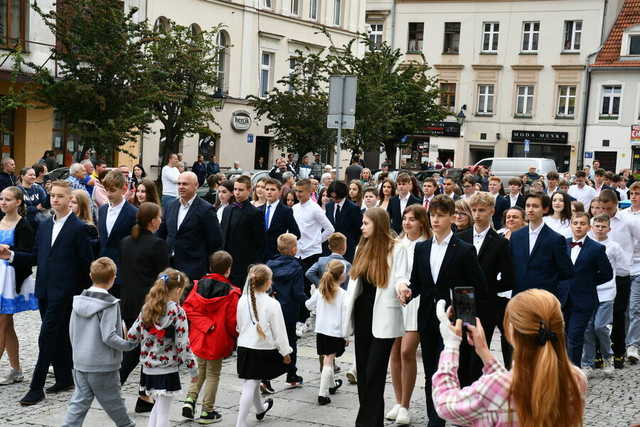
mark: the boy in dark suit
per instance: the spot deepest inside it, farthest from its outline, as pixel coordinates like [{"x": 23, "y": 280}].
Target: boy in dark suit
[
  {"x": 243, "y": 231},
  {"x": 439, "y": 265},
  {"x": 515, "y": 197},
  {"x": 63, "y": 255},
  {"x": 345, "y": 217},
  {"x": 539, "y": 254},
  {"x": 278, "y": 218},
  {"x": 579, "y": 295},
  {"x": 501, "y": 204},
  {"x": 115, "y": 220},
  {"x": 398, "y": 203}
]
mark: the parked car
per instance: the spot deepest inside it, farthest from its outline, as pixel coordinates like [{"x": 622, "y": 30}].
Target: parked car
[
  {"x": 56, "y": 174},
  {"x": 508, "y": 167}
]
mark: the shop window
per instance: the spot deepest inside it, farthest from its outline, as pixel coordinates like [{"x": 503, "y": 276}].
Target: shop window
[
  {"x": 13, "y": 18},
  {"x": 67, "y": 147},
  {"x": 416, "y": 37},
  {"x": 451, "y": 37}
]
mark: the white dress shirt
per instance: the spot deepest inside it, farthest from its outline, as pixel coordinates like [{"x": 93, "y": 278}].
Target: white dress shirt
[
  {"x": 585, "y": 194},
  {"x": 170, "y": 181},
  {"x": 513, "y": 200},
  {"x": 438, "y": 251},
  {"x": 184, "y": 209},
  {"x": 426, "y": 201},
  {"x": 270, "y": 208},
  {"x": 617, "y": 258},
  {"x": 575, "y": 250},
  {"x": 550, "y": 192},
  {"x": 329, "y": 315},
  {"x": 112, "y": 215},
  {"x": 478, "y": 237},
  {"x": 314, "y": 226},
  {"x": 562, "y": 227},
  {"x": 57, "y": 227},
  {"x": 403, "y": 202},
  {"x": 220, "y": 211},
  {"x": 533, "y": 236},
  {"x": 635, "y": 263},
  {"x": 625, "y": 231}
]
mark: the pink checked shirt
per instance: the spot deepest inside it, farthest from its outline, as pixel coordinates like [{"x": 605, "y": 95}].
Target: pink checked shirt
[{"x": 485, "y": 402}]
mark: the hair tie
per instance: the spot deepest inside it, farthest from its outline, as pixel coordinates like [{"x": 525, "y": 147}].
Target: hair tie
[
  {"x": 545, "y": 335},
  {"x": 164, "y": 278}
]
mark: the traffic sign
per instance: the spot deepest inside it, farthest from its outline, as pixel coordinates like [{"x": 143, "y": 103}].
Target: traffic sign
[{"x": 526, "y": 145}]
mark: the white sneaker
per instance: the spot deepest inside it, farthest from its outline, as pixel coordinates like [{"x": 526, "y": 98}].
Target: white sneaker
[
  {"x": 632, "y": 354},
  {"x": 12, "y": 377},
  {"x": 607, "y": 366},
  {"x": 299, "y": 329},
  {"x": 393, "y": 413},
  {"x": 403, "y": 418}
]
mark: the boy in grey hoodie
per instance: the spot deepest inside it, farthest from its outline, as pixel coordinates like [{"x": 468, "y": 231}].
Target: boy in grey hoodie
[{"x": 96, "y": 331}]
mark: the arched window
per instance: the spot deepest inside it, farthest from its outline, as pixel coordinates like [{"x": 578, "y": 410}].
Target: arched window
[
  {"x": 195, "y": 29},
  {"x": 223, "y": 60},
  {"x": 161, "y": 25}
]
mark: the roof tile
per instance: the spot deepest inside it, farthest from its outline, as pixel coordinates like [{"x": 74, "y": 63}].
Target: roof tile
[{"x": 609, "y": 55}]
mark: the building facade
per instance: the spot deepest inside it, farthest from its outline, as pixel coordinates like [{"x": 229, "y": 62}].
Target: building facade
[
  {"x": 512, "y": 72},
  {"x": 613, "y": 118},
  {"x": 259, "y": 37}
]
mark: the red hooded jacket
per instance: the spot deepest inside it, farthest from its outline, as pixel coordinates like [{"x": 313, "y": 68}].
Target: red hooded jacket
[{"x": 211, "y": 312}]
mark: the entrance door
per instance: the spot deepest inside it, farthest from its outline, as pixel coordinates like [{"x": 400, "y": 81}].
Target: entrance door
[
  {"x": 607, "y": 159},
  {"x": 445, "y": 155},
  {"x": 635, "y": 158},
  {"x": 477, "y": 154},
  {"x": 263, "y": 146}
]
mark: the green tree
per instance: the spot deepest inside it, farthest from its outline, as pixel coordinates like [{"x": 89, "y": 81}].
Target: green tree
[
  {"x": 297, "y": 106},
  {"x": 183, "y": 66}
]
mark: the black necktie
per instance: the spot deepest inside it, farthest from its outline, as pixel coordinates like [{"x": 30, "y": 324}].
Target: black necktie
[{"x": 337, "y": 215}]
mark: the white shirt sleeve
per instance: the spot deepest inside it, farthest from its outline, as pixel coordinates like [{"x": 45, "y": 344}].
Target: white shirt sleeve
[
  {"x": 278, "y": 329},
  {"x": 327, "y": 227},
  {"x": 312, "y": 302}
]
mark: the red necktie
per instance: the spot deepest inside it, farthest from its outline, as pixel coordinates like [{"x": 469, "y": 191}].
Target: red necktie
[
  {"x": 574, "y": 244},
  {"x": 426, "y": 204}
]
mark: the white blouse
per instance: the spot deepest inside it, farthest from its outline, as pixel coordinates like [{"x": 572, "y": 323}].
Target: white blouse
[
  {"x": 329, "y": 315},
  {"x": 271, "y": 321},
  {"x": 562, "y": 227}
]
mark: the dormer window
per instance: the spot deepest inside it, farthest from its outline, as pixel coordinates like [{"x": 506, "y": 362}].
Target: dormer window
[
  {"x": 634, "y": 44},
  {"x": 630, "y": 46}
]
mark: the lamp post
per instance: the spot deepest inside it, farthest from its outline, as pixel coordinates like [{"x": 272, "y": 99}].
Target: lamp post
[
  {"x": 221, "y": 98},
  {"x": 460, "y": 117}
]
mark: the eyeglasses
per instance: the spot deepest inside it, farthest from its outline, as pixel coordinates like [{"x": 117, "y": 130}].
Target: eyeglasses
[{"x": 458, "y": 213}]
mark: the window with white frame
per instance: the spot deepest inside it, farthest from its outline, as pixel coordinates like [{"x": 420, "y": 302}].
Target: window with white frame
[
  {"x": 416, "y": 36},
  {"x": 222, "y": 41},
  {"x": 375, "y": 36},
  {"x": 267, "y": 3},
  {"x": 611, "y": 95},
  {"x": 295, "y": 7},
  {"x": 634, "y": 45},
  {"x": 572, "y": 35},
  {"x": 451, "y": 37},
  {"x": 486, "y": 93},
  {"x": 490, "y": 32},
  {"x": 337, "y": 12},
  {"x": 313, "y": 9},
  {"x": 448, "y": 96},
  {"x": 530, "y": 36},
  {"x": 524, "y": 100},
  {"x": 566, "y": 101},
  {"x": 266, "y": 72}
]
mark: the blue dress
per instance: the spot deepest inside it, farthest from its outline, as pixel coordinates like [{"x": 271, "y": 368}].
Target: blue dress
[{"x": 10, "y": 302}]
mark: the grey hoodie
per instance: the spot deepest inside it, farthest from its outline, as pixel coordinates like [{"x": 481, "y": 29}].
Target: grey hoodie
[{"x": 96, "y": 332}]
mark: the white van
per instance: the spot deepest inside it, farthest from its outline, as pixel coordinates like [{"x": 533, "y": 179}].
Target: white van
[{"x": 509, "y": 167}]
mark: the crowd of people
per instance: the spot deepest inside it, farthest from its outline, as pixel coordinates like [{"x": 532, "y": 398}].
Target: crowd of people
[{"x": 128, "y": 274}]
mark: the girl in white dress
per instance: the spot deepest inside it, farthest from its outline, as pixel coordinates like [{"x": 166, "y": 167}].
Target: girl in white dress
[
  {"x": 415, "y": 228},
  {"x": 560, "y": 218}
]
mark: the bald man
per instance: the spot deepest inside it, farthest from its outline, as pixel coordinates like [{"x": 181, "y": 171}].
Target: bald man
[{"x": 191, "y": 228}]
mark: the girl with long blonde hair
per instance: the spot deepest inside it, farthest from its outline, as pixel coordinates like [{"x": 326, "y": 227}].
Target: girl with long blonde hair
[
  {"x": 544, "y": 389},
  {"x": 329, "y": 304},
  {"x": 263, "y": 347},
  {"x": 373, "y": 313},
  {"x": 163, "y": 332}
]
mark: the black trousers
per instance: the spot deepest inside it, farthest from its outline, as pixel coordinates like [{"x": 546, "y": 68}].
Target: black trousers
[
  {"x": 54, "y": 344},
  {"x": 372, "y": 360},
  {"x": 431, "y": 344},
  {"x": 620, "y": 305},
  {"x": 507, "y": 350},
  {"x": 306, "y": 265},
  {"x": 292, "y": 369}
]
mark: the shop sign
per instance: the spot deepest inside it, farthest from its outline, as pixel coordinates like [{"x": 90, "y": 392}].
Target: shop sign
[
  {"x": 449, "y": 129},
  {"x": 241, "y": 120},
  {"x": 588, "y": 154},
  {"x": 635, "y": 134},
  {"x": 549, "y": 137}
]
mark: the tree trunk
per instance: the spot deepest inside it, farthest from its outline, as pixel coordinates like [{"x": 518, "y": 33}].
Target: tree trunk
[{"x": 390, "y": 148}]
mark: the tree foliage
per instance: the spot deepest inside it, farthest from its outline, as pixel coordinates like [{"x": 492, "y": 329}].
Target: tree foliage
[
  {"x": 183, "y": 66},
  {"x": 297, "y": 106}
]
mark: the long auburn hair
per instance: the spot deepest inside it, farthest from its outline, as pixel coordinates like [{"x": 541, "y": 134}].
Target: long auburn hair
[
  {"x": 422, "y": 216},
  {"x": 371, "y": 261},
  {"x": 544, "y": 389},
  {"x": 155, "y": 303},
  {"x": 330, "y": 281},
  {"x": 258, "y": 276},
  {"x": 151, "y": 192}
]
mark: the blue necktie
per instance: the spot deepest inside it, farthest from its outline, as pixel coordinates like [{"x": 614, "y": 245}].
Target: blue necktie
[{"x": 266, "y": 217}]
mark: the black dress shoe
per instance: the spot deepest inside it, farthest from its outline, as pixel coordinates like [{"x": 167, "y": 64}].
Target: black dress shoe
[
  {"x": 332, "y": 390},
  {"x": 58, "y": 388},
  {"x": 261, "y": 415},
  {"x": 142, "y": 406},
  {"x": 322, "y": 400},
  {"x": 32, "y": 397}
]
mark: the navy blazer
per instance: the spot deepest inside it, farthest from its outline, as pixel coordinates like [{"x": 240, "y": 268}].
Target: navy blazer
[
  {"x": 592, "y": 268},
  {"x": 110, "y": 243},
  {"x": 546, "y": 266},
  {"x": 502, "y": 205},
  {"x": 459, "y": 267},
  {"x": 394, "y": 211},
  {"x": 191, "y": 245},
  {"x": 63, "y": 268},
  {"x": 519, "y": 202},
  {"x": 349, "y": 223},
  {"x": 282, "y": 221}
]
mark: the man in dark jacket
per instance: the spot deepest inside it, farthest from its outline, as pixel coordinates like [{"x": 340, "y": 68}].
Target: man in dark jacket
[
  {"x": 7, "y": 178},
  {"x": 280, "y": 168},
  {"x": 213, "y": 167},
  {"x": 200, "y": 169}
]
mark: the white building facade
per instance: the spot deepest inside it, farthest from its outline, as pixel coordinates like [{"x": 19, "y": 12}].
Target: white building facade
[
  {"x": 613, "y": 119},
  {"x": 510, "y": 71},
  {"x": 259, "y": 37}
]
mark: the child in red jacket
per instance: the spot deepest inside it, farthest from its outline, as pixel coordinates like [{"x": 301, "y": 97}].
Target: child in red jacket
[{"x": 211, "y": 311}]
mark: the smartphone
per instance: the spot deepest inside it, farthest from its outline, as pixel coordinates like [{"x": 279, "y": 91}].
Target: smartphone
[{"x": 464, "y": 304}]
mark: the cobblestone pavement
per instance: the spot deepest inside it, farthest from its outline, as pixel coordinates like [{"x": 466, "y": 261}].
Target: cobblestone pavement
[{"x": 611, "y": 402}]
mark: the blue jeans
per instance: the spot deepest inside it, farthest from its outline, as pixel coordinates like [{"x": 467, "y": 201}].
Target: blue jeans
[
  {"x": 166, "y": 200},
  {"x": 598, "y": 334},
  {"x": 633, "y": 334}
]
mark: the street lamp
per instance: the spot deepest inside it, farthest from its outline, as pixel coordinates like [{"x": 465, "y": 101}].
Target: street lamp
[
  {"x": 460, "y": 117},
  {"x": 221, "y": 98}
]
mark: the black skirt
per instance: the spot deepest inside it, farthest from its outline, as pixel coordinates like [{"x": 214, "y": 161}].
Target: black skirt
[
  {"x": 168, "y": 384},
  {"x": 256, "y": 364},
  {"x": 327, "y": 345}
]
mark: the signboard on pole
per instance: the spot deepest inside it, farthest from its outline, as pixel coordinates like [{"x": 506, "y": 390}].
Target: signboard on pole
[
  {"x": 526, "y": 145},
  {"x": 635, "y": 134},
  {"x": 342, "y": 108}
]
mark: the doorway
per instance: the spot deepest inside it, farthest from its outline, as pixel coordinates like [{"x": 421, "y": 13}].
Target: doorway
[
  {"x": 607, "y": 159},
  {"x": 445, "y": 155},
  {"x": 263, "y": 146},
  {"x": 478, "y": 153}
]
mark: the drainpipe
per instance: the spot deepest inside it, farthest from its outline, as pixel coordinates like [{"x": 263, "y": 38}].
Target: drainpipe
[
  {"x": 393, "y": 24},
  {"x": 585, "y": 115}
]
